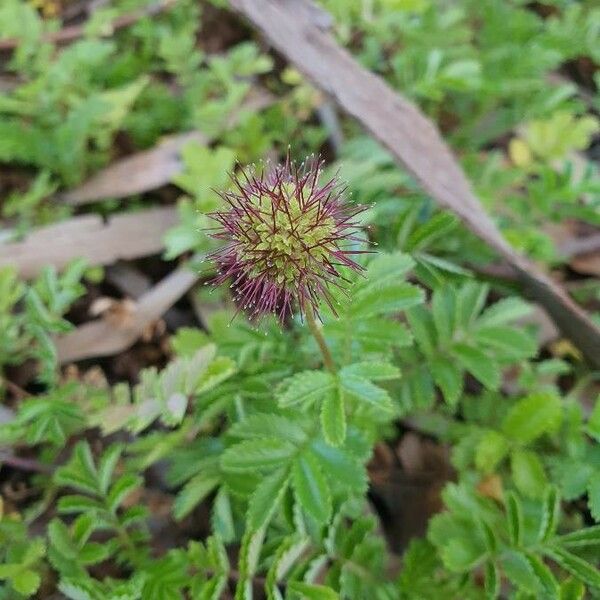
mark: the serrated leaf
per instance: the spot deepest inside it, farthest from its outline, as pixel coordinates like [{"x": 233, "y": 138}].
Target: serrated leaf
[
  {"x": 492, "y": 581},
  {"x": 333, "y": 419},
  {"x": 528, "y": 473},
  {"x": 193, "y": 492},
  {"x": 374, "y": 371},
  {"x": 513, "y": 343},
  {"x": 250, "y": 553},
  {"x": 26, "y": 582},
  {"x": 388, "y": 267},
  {"x": 220, "y": 369},
  {"x": 519, "y": 571},
  {"x": 75, "y": 503},
  {"x": 266, "y": 498},
  {"x": 60, "y": 539},
  {"x": 588, "y": 536},
  {"x": 93, "y": 553},
  {"x": 443, "y": 310},
  {"x": 544, "y": 575},
  {"x": 126, "y": 484},
  {"x": 572, "y": 589},
  {"x": 504, "y": 311},
  {"x": 423, "y": 329},
  {"x": 593, "y": 424},
  {"x": 470, "y": 300},
  {"x": 306, "y": 388},
  {"x": 489, "y": 537},
  {"x": 366, "y": 392},
  {"x": 490, "y": 451},
  {"x": 481, "y": 366},
  {"x": 263, "y": 454},
  {"x": 460, "y": 554},
  {"x": 384, "y": 299},
  {"x": 448, "y": 377},
  {"x": 261, "y": 425},
  {"x": 286, "y": 556},
  {"x": 222, "y": 516},
  {"x": 437, "y": 226},
  {"x": 339, "y": 465},
  {"x": 593, "y": 490},
  {"x": 550, "y": 514},
  {"x": 107, "y": 465},
  {"x": 312, "y": 591},
  {"x": 533, "y": 416},
  {"x": 311, "y": 488},
  {"x": 575, "y": 565},
  {"x": 514, "y": 519}
]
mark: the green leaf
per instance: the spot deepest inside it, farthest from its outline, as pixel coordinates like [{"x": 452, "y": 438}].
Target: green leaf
[
  {"x": 75, "y": 503},
  {"x": 423, "y": 329},
  {"x": 310, "y": 487},
  {"x": 193, "y": 492},
  {"x": 503, "y": 312},
  {"x": 575, "y": 565},
  {"x": 489, "y": 536},
  {"x": 263, "y": 454},
  {"x": 572, "y": 589},
  {"x": 311, "y": 591},
  {"x": 287, "y": 554},
  {"x": 550, "y": 514},
  {"x": 339, "y": 465},
  {"x": 520, "y": 572},
  {"x": 437, "y": 226},
  {"x": 385, "y": 267},
  {"x": 248, "y": 562},
  {"x": 124, "y": 486},
  {"x": 333, "y": 419},
  {"x": 588, "y": 536},
  {"x": 543, "y": 574},
  {"x": 390, "y": 298},
  {"x": 533, "y": 416},
  {"x": 375, "y": 371},
  {"x": 593, "y": 424},
  {"x": 461, "y": 554},
  {"x": 261, "y": 425},
  {"x": 107, "y": 466},
  {"x": 492, "y": 581},
  {"x": 481, "y": 366},
  {"x": 187, "y": 341},
  {"x": 470, "y": 301},
  {"x": 514, "y": 519},
  {"x": 60, "y": 539},
  {"x": 443, "y": 309},
  {"x": 511, "y": 342},
  {"x": 448, "y": 377},
  {"x": 593, "y": 490},
  {"x": 26, "y": 582},
  {"x": 366, "y": 392},
  {"x": 266, "y": 498},
  {"x": 528, "y": 473},
  {"x": 490, "y": 451},
  {"x": 306, "y": 387}
]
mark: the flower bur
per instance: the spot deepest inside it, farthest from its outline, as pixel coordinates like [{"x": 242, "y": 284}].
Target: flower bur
[{"x": 286, "y": 237}]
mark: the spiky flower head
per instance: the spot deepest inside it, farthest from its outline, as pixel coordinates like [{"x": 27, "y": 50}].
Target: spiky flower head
[{"x": 286, "y": 237}]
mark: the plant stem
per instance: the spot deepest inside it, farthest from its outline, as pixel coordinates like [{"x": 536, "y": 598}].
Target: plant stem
[{"x": 318, "y": 335}]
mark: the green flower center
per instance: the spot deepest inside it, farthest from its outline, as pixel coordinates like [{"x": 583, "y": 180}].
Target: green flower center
[{"x": 286, "y": 241}]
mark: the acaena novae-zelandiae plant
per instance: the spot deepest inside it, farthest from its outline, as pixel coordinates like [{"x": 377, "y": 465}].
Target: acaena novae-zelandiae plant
[{"x": 287, "y": 236}]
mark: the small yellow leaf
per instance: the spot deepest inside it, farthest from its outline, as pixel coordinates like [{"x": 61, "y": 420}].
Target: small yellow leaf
[
  {"x": 564, "y": 348},
  {"x": 519, "y": 152}
]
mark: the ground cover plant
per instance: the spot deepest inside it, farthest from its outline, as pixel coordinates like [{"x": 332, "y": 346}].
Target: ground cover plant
[{"x": 246, "y": 353}]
